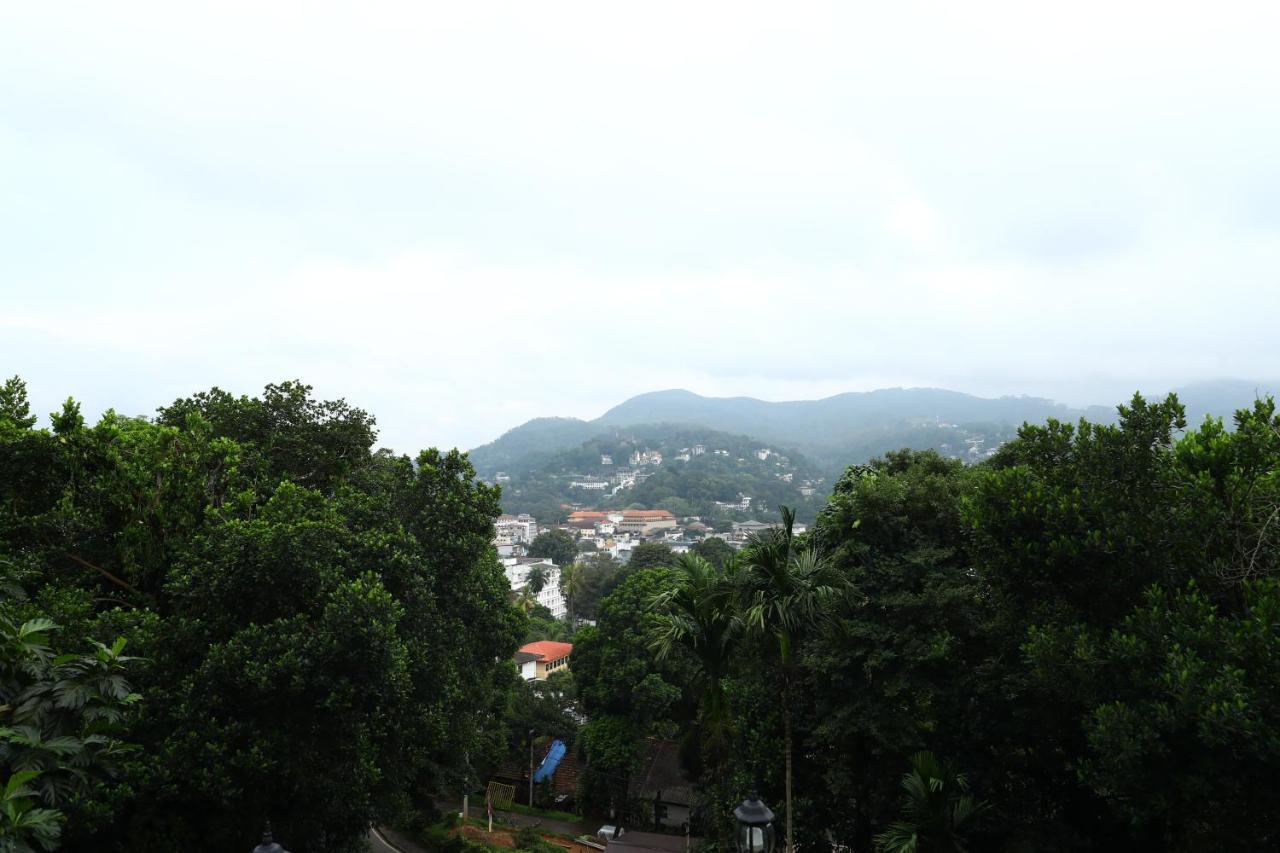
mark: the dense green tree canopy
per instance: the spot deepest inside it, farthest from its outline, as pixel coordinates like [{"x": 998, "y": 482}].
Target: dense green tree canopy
[
  {"x": 588, "y": 581},
  {"x": 1083, "y": 628},
  {"x": 558, "y": 546},
  {"x": 322, "y": 627},
  {"x": 714, "y": 550},
  {"x": 648, "y": 555}
]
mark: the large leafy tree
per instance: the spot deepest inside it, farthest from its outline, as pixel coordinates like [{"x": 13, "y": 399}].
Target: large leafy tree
[
  {"x": 626, "y": 693},
  {"x": 647, "y": 555},
  {"x": 325, "y": 629},
  {"x": 592, "y": 578},
  {"x": 883, "y": 680},
  {"x": 285, "y": 434},
  {"x": 15, "y": 410},
  {"x": 714, "y": 550},
  {"x": 558, "y": 546},
  {"x": 61, "y": 720}
]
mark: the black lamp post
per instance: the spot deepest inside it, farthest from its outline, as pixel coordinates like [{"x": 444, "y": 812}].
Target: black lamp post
[
  {"x": 268, "y": 844},
  {"x": 755, "y": 826}
]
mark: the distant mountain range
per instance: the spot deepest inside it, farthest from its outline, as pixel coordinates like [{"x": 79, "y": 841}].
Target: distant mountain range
[{"x": 840, "y": 430}]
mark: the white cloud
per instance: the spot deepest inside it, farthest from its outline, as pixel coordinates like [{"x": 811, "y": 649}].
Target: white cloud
[{"x": 464, "y": 215}]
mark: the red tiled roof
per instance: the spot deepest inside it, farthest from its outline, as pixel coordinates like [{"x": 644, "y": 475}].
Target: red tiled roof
[
  {"x": 637, "y": 514},
  {"x": 548, "y": 650}
]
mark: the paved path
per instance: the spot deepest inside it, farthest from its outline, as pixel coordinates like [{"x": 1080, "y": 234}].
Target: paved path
[{"x": 382, "y": 840}]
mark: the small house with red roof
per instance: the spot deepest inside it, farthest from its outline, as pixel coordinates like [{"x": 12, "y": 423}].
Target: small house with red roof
[{"x": 538, "y": 660}]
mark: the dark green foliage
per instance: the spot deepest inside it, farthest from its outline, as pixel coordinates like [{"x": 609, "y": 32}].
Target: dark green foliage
[
  {"x": 1181, "y": 726},
  {"x": 15, "y": 412},
  {"x": 588, "y": 581},
  {"x": 881, "y": 677},
  {"x": 714, "y": 550},
  {"x": 543, "y": 626},
  {"x": 442, "y": 839},
  {"x": 648, "y": 555},
  {"x": 938, "y": 813},
  {"x": 1086, "y": 624},
  {"x": 529, "y": 839},
  {"x": 61, "y": 717},
  {"x": 285, "y": 434},
  {"x": 325, "y": 630},
  {"x": 558, "y": 546},
  {"x": 626, "y": 693}
]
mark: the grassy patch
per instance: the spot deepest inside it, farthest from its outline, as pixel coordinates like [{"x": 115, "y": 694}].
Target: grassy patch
[{"x": 547, "y": 813}]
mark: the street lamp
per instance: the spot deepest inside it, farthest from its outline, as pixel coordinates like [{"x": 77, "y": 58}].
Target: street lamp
[
  {"x": 268, "y": 844},
  {"x": 755, "y": 826}
]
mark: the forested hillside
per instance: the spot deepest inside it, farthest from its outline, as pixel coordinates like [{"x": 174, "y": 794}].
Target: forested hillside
[
  {"x": 687, "y": 470},
  {"x": 844, "y": 429}
]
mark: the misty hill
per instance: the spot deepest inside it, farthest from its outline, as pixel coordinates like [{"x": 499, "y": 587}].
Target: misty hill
[
  {"x": 688, "y": 470},
  {"x": 840, "y": 430},
  {"x": 847, "y": 427}
]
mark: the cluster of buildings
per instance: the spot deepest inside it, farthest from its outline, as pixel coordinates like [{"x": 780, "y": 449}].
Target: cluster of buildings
[
  {"x": 612, "y": 531},
  {"x": 617, "y": 531},
  {"x": 614, "y": 480},
  {"x": 622, "y": 478},
  {"x": 509, "y": 530}
]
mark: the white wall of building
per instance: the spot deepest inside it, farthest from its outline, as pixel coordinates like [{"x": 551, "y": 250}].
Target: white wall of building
[{"x": 551, "y": 597}]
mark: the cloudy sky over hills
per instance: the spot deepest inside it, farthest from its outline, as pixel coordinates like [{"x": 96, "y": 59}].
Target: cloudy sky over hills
[{"x": 461, "y": 216}]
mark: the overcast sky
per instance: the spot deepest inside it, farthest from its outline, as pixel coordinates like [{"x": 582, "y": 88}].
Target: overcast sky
[{"x": 463, "y": 215}]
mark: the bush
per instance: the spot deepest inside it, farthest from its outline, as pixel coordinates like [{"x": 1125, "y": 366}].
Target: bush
[
  {"x": 528, "y": 838},
  {"x": 440, "y": 839}
]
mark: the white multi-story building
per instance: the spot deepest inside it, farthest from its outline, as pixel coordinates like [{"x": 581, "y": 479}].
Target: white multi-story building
[
  {"x": 515, "y": 529},
  {"x": 517, "y": 571},
  {"x": 646, "y": 457},
  {"x": 589, "y": 485}
]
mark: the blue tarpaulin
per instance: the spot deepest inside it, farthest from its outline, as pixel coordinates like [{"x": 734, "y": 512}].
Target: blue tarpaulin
[{"x": 549, "y": 764}]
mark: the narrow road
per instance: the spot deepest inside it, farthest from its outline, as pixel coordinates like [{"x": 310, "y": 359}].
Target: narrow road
[
  {"x": 377, "y": 845},
  {"x": 388, "y": 841}
]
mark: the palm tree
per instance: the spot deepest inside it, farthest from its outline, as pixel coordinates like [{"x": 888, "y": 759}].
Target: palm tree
[
  {"x": 786, "y": 590},
  {"x": 573, "y": 582},
  {"x": 939, "y": 810},
  {"x": 699, "y": 614},
  {"x": 537, "y": 578},
  {"x": 525, "y": 599}
]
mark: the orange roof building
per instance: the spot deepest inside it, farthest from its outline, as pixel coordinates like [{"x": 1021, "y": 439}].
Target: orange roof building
[
  {"x": 646, "y": 522},
  {"x": 538, "y": 660},
  {"x": 646, "y": 515}
]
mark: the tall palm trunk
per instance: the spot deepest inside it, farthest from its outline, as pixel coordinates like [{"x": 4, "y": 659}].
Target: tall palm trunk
[
  {"x": 786, "y": 729},
  {"x": 784, "y": 646}
]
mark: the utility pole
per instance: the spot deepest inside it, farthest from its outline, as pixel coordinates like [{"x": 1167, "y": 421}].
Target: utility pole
[
  {"x": 530, "y": 768},
  {"x": 466, "y": 786}
]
